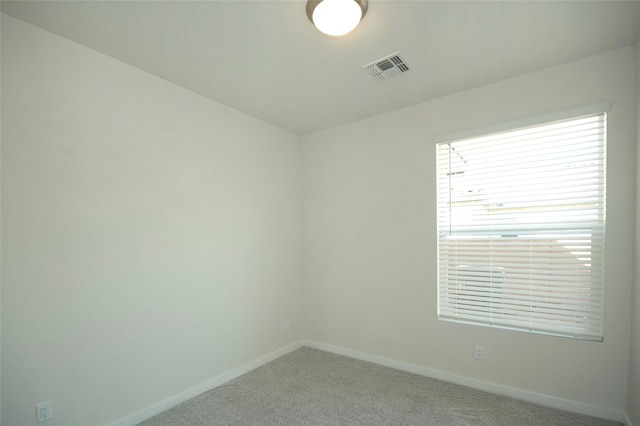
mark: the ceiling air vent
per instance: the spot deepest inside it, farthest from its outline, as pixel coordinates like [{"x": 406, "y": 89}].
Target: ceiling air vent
[{"x": 388, "y": 66}]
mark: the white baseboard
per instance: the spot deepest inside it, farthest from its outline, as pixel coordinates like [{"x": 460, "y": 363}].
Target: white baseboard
[
  {"x": 627, "y": 420},
  {"x": 171, "y": 402},
  {"x": 536, "y": 398},
  {"x": 546, "y": 400}
]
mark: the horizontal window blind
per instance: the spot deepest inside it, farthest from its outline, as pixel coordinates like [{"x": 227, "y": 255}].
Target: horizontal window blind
[{"x": 521, "y": 218}]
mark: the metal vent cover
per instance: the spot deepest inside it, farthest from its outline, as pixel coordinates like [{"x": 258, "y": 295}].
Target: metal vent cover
[{"x": 388, "y": 66}]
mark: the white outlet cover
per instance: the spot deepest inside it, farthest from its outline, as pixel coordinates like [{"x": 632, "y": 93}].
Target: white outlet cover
[{"x": 44, "y": 411}]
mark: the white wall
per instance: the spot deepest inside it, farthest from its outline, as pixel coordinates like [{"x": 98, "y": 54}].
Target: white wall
[
  {"x": 151, "y": 237},
  {"x": 0, "y": 229},
  {"x": 633, "y": 397},
  {"x": 370, "y": 237}
]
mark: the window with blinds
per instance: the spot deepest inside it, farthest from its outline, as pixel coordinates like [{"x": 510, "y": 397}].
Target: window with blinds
[{"x": 521, "y": 219}]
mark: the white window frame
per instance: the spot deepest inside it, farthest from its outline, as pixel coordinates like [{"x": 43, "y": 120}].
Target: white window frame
[{"x": 476, "y": 279}]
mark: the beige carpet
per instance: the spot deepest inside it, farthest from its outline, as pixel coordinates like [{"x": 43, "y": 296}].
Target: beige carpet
[{"x": 312, "y": 387}]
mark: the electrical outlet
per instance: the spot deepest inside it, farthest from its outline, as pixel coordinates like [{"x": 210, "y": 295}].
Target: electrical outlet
[
  {"x": 478, "y": 352},
  {"x": 44, "y": 411},
  {"x": 287, "y": 325}
]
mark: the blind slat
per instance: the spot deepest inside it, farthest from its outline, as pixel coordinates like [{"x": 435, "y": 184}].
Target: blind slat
[{"x": 521, "y": 228}]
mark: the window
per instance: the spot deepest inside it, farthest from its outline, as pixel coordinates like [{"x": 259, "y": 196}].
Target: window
[{"x": 521, "y": 218}]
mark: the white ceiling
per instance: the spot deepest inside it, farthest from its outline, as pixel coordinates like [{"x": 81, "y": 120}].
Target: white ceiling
[{"x": 266, "y": 59}]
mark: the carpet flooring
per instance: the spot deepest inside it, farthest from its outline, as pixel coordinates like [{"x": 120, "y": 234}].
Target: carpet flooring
[{"x": 312, "y": 387}]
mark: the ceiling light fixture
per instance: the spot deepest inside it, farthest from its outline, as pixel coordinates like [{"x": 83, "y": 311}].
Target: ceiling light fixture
[{"x": 336, "y": 17}]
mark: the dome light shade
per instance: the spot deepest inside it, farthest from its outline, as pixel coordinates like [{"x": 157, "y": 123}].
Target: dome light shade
[{"x": 336, "y": 17}]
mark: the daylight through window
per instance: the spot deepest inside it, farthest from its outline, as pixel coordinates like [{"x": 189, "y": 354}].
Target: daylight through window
[{"x": 521, "y": 218}]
